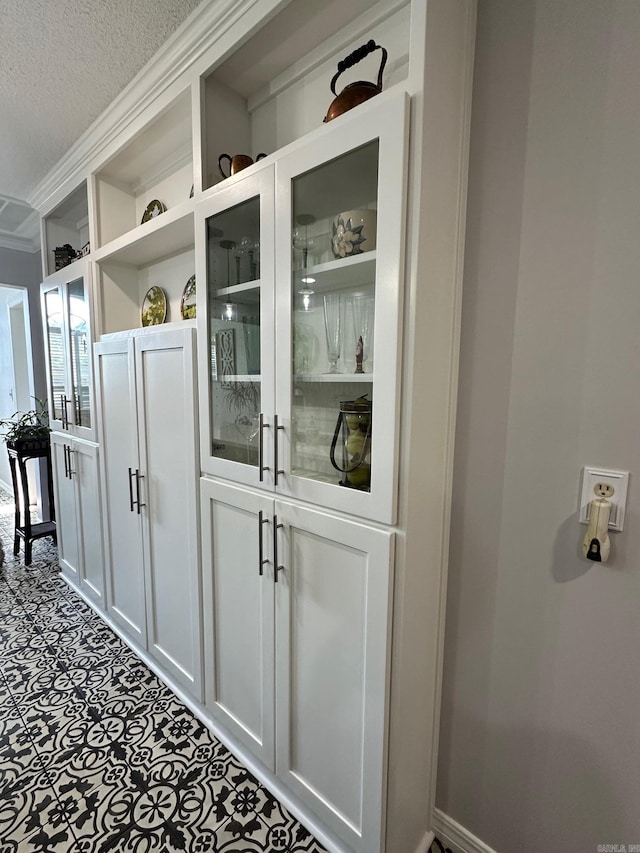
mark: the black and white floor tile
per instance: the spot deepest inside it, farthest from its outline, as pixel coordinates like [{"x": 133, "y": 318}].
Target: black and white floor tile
[{"x": 96, "y": 754}]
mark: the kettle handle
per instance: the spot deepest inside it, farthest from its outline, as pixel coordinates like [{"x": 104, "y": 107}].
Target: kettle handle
[
  {"x": 220, "y": 159},
  {"x": 358, "y": 54}
]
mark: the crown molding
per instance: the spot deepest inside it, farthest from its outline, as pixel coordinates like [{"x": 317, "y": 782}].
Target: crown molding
[
  {"x": 26, "y": 238},
  {"x": 19, "y": 244},
  {"x": 206, "y": 25}
]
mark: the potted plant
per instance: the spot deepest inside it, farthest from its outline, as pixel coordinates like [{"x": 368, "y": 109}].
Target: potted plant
[{"x": 27, "y": 430}]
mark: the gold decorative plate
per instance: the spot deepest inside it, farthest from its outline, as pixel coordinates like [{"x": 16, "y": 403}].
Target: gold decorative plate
[
  {"x": 153, "y": 209},
  {"x": 188, "y": 303},
  {"x": 154, "y": 307}
]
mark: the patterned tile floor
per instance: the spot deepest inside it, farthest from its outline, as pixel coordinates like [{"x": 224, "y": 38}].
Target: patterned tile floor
[{"x": 96, "y": 754}]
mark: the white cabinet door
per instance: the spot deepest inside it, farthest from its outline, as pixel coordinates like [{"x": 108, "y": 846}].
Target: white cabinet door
[
  {"x": 115, "y": 379},
  {"x": 66, "y": 520},
  {"x": 238, "y": 592},
  {"x": 332, "y": 628},
  {"x": 167, "y": 424},
  {"x": 85, "y": 473}
]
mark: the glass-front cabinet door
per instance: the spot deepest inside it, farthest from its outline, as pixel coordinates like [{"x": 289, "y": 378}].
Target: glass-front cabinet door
[
  {"x": 55, "y": 335},
  {"x": 235, "y": 235},
  {"x": 339, "y": 268},
  {"x": 299, "y": 322},
  {"x": 80, "y": 352},
  {"x": 67, "y": 330}
]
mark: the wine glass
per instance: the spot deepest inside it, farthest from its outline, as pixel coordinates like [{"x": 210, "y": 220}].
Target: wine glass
[
  {"x": 228, "y": 245},
  {"x": 248, "y": 426},
  {"x": 301, "y": 240},
  {"x": 245, "y": 247}
]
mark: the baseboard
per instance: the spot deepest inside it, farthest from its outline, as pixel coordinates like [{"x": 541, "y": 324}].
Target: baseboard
[
  {"x": 425, "y": 844},
  {"x": 455, "y": 836}
]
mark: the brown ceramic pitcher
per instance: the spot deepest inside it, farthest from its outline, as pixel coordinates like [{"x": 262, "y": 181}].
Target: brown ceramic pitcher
[{"x": 237, "y": 162}]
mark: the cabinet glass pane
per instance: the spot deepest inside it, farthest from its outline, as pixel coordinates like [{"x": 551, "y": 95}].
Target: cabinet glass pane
[
  {"x": 333, "y": 292},
  {"x": 55, "y": 346},
  {"x": 233, "y": 282},
  {"x": 79, "y": 342}
]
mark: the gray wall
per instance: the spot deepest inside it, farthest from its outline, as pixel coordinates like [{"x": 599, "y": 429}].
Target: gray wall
[
  {"x": 21, "y": 269},
  {"x": 540, "y": 740},
  {"x": 24, "y": 269}
]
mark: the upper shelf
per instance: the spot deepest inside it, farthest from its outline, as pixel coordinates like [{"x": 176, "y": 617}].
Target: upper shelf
[
  {"x": 276, "y": 87},
  {"x": 155, "y": 165},
  {"x": 66, "y": 224},
  {"x": 165, "y": 235},
  {"x": 339, "y": 274}
]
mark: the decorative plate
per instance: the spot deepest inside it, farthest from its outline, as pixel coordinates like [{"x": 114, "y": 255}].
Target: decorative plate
[
  {"x": 154, "y": 307},
  {"x": 154, "y": 208},
  {"x": 188, "y": 303}
]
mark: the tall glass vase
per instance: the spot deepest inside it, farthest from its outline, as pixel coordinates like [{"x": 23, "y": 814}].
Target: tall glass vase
[
  {"x": 362, "y": 313},
  {"x": 333, "y": 322}
]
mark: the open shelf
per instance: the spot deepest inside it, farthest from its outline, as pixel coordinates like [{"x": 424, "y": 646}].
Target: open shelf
[
  {"x": 68, "y": 223},
  {"x": 122, "y": 288},
  {"x": 275, "y": 87},
  {"x": 165, "y": 235},
  {"x": 157, "y": 163}
]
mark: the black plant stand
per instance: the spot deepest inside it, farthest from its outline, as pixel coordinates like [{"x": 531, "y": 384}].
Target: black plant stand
[{"x": 20, "y": 452}]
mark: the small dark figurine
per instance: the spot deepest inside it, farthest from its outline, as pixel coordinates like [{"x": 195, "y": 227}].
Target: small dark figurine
[
  {"x": 359, "y": 354},
  {"x": 64, "y": 255}
]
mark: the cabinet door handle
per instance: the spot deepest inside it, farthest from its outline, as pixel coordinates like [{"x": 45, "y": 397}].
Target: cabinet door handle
[
  {"x": 261, "y": 558},
  {"x": 276, "y": 566},
  {"x": 276, "y": 427},
  {"x": 71, "y": 472},
  {"x": 130, "y": 490},
  {"x": 65, "y": 420},
  {"x": 139, "y": 477},
  {"x": 261, "y": 468},
  {"x": 66, "y": 463}
]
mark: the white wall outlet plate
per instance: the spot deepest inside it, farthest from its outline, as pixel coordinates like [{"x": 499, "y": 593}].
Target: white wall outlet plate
[{"x": 604, "y": 479}]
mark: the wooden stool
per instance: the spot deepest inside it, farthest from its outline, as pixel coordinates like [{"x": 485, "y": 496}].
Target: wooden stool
[{"x": 20, "y": 452}]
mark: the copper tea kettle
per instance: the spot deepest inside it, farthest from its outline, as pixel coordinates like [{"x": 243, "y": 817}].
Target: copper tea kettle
[{"x": 355, "y": 93}]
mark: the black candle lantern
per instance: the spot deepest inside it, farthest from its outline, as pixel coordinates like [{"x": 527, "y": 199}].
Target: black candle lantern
[{"x": 353, "y": 430}]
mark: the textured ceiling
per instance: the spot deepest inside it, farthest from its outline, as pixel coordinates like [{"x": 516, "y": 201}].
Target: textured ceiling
[{"x": 62, "y": 62}]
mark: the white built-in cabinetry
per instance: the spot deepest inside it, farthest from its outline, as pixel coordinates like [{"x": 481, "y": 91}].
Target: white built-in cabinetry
[
  {"x": 76, "y": 477},
  {"x": 312, "y": 701},
  {"x": 297, "y": 628},
  {"x": 274, "y": 283},
  {"x": 146, "y": 393},
  {"x": 295, "y": 604},
  {"x": 66, "y": 299}
]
